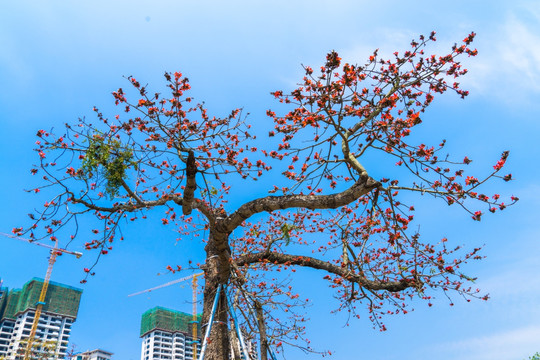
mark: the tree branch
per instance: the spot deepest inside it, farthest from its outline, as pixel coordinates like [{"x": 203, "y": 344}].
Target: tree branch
[
  {"x": 130, "y": 207},
  {"x": 307, "y": 261},
  {"x": 131, "y": 192},
  {"x": 271, "y": 203},
  {"x": 191, "y": 185},
  {"x": 263, "y": 350}
]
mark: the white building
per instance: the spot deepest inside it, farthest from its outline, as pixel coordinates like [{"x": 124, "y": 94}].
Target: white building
[
  {"x": 97, "y": 354},
  {"x": 17, "y": 310},
  {"x": 167, "y": 335}
]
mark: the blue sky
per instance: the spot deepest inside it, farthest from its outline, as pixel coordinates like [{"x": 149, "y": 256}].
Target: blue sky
[{"x": 58, "y": 60}]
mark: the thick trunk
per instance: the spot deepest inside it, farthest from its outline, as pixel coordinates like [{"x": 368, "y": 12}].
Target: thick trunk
[{"x": 217, "y": 273}]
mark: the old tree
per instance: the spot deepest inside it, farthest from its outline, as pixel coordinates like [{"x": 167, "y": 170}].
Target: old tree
[{"x": 326, "y": 213}]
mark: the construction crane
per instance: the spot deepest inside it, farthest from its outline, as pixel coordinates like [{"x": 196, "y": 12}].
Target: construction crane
[
  {"x": 55, "y": 251},
  {"x": 194, "y": 298},
  {"x": 76, "y": 253}
]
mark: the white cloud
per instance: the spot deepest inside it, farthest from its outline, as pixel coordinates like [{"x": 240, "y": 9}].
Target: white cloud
[
  {"x": 508, "y": 64},
  {"x": 515, "y": 292},
  {"x": 507, "y": 67},
  {"x": 516, "y": 344},
  {"x": 387, "y": 40},
  {"x": 521, "y": 52}
]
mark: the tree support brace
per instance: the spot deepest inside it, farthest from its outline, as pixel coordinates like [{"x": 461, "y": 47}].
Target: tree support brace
[
  {"x": 210, "y": 322},
  {"x": 238, "y": 332}
]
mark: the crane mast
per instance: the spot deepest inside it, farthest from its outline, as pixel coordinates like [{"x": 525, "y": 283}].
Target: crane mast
[
  {"x": 55, "y": 251},
  {"x": 194, "y": 308},
  {"x": 194, "y": 321},
  {"x": 40, "y": 303}
]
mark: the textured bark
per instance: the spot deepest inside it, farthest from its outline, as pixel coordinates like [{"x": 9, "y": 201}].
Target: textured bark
[
  {"x": 263, "y": 349},
  {"x": 271, "y": 203},
  {"x": 306, "y": 261},
  {"x": 191, "y": 185},
  {"x": 217, "y": 272},
  {"x": 146, "y": 204}
]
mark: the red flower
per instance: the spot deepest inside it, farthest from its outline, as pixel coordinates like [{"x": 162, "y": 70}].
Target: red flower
[
  {"x": 499, "y": 164},
  {"x": 477, "y": 215},
  {"x": 471, "y": 180}
]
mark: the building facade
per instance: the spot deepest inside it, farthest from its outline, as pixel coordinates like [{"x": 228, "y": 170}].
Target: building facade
[
  {"x": 17, "y": 310},
  {"x": 97, "y": 354},
  {"x": 167, "y": 335}
]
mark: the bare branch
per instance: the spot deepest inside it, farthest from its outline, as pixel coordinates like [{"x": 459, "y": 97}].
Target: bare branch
[
  {"x": 307, "y": 261},
  {"x": 271, "y": 203}
]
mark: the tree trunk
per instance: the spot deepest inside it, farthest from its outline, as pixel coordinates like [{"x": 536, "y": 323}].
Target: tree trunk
[
  {"x": 217, "y": 273},
  {"x": 263, "y": 349}
]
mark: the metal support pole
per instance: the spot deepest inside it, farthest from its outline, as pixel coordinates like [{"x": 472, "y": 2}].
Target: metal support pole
[
  {"x": 237, "y": 327},
  {"x": 272, "y": 355},
  {"x": 210, "y": 321}
]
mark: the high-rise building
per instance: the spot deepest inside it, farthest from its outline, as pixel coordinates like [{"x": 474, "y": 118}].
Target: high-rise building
[
  {"x": 167, "y": 335},
  {"x": 17, "y": 310}
]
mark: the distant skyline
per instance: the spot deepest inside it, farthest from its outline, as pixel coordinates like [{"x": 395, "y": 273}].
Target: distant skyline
[{"x": 60, "y": 59}]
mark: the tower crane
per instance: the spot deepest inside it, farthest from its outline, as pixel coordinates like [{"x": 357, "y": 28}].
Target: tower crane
[
  {"x": 194, "y": 298},
  {"x": 55, "y": 251}
]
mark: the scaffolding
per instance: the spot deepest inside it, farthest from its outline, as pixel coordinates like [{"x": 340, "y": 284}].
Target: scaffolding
[
  {"x": 168, "y": 320},
  {"x": 60, "y": 299},
  {"x": 10, "y": 309}
]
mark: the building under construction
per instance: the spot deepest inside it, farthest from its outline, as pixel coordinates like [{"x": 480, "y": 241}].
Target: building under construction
[
  {"x": 166, "y": 335},
  {"x": 17, "y": 310}
]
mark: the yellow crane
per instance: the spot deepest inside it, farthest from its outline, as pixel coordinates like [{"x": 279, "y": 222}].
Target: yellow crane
[
  {"x": 55, "y": 251},
  {"x": 194, "y": 320},
  {"x": 194, "y": 299}
]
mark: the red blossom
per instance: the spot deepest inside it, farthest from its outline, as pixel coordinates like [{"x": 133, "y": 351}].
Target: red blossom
[{"x": 326, "y": 201}]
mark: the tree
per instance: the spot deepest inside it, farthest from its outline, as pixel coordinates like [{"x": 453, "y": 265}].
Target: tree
[
  {"x": 41, "y": 349},
  {"x": 327, "y": 213}
]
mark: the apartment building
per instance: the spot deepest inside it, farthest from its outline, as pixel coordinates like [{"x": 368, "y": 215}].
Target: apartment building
[
  {"x": 17, "y": 311},
  {"x": 167, "y": 335}
]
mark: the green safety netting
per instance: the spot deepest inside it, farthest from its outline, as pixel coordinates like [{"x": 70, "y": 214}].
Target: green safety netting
[
  {"x": 168, "y": 320},
  {"x": 60, "y": 299}
]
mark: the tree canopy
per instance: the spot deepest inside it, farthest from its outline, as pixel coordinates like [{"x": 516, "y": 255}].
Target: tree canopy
[{"x": 325, "y": 212}]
